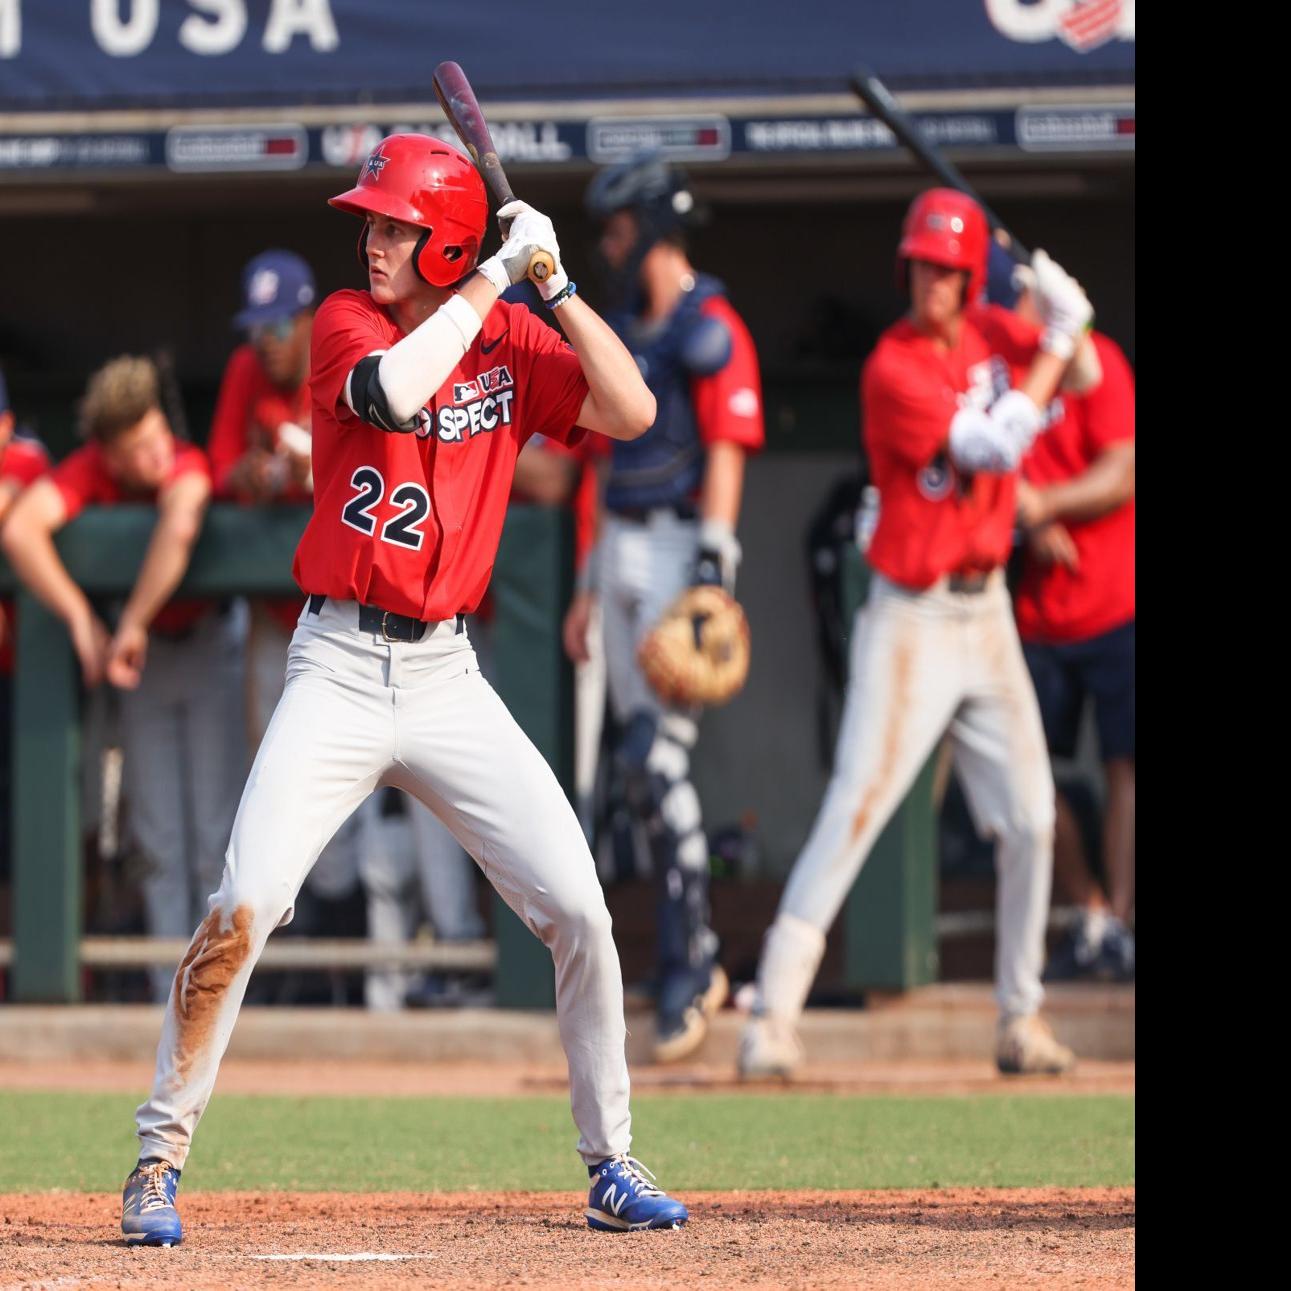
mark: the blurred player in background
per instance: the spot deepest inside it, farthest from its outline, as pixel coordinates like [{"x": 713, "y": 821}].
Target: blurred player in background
[
  {"x": 670, "y": 508},
  {"x": 1075, "y": 613},
  {"x": 951, "y": 398},
  {"x": 176, "y": 661},
  {"x": 259, "y": 443},
  {"x": 260, "y": 455}
]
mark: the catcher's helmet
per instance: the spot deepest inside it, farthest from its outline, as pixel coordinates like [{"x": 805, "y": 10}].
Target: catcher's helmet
[
  {"x": 424, "y": 181},
  {"x": 658, "y": 194},
  {"x": 946, "y": 227}
]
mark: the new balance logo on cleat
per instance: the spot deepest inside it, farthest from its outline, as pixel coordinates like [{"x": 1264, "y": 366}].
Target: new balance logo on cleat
[
  {"x": 148, "y": 1214},
  {"x": 624, "y": 1198}
]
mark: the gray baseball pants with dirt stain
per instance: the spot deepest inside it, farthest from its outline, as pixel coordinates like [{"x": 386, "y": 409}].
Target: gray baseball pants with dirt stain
[{"x": 923, "y": 664}]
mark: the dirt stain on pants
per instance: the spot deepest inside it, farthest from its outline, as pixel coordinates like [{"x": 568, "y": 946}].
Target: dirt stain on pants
[{"x": 214, "y": 958}]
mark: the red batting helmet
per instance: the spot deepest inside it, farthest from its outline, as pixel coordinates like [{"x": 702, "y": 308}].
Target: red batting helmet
[
  {"x": 424, "y": 181},
  {"x": 946, "y": 227}
]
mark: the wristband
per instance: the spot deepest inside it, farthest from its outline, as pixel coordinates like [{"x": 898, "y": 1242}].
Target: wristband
[
  {"x": 494, "y": 271},
  {"x": 570, "y": 289},
  {"x": 1061, "y": 345}
]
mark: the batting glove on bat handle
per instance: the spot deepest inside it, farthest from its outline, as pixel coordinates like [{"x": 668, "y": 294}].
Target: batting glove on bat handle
[
  {"x": 530, "y": 250},
  {"x": 1062, "y": 303}
]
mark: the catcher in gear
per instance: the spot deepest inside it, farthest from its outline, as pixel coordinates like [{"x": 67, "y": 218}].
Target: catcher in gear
[{"x": 669, "y": 510}]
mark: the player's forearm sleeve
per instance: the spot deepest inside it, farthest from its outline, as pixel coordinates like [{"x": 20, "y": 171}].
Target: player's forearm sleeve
[{"x": 391, "y": 392}]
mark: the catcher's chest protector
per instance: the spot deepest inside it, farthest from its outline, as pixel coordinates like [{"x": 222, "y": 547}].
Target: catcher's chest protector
[{"x": 666, "y": 465}]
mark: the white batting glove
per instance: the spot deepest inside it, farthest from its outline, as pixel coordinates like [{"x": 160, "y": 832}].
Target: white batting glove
[
  {"x": 526, "y": 231},
  {"x": 1062, "y": 303}
]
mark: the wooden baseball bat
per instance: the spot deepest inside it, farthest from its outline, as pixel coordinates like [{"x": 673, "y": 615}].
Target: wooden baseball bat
[
  {"x": 874, "y": 94},
  {"x": 463, "y": 109}
]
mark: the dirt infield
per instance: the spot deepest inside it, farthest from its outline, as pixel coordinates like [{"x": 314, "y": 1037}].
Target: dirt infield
[{"x": 960, "y": 1238}]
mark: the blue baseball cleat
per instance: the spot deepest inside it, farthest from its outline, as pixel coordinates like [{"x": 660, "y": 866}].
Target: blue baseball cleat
[
  {"x": 624, "y": 1198},
  {"x": 148, "y": 1214}
]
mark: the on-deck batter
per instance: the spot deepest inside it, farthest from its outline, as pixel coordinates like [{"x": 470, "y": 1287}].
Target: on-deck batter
[
  {"x": 951, "y": 398},
  {"x": 424, "y": 389}
]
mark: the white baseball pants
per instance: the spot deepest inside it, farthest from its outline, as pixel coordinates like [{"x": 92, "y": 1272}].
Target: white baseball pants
[
  {"x": 923, "y": 663},
  {"x": 337, "y": 869},
  {"x": 643, "y": 568},
  {"x": 357, "y": 713}
]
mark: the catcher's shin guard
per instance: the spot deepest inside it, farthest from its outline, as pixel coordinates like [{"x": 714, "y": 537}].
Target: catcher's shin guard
[{"x": 656, "y": 756}]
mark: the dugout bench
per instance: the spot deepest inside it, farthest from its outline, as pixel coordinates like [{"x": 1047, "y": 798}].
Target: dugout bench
[{"x": 888, "y": 919}]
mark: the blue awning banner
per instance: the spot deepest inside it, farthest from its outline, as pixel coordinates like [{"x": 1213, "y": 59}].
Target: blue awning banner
[{"x": 79, "y": 54}]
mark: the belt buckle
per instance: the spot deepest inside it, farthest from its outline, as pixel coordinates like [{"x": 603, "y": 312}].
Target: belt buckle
[{"x": 385, "y": 633}]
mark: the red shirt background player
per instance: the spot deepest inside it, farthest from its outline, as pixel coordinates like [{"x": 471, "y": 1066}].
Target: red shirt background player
[
  {"x": 132, "y": 457},
  {"x": 174, "y": 661},
  {"x": 259, "y": 440},
  {"x": 936, "y": 518},
  {"x": 1075, "y": 613},
  {"x": 1073, "y": 594},
  {"x": 951, "y": 398}
]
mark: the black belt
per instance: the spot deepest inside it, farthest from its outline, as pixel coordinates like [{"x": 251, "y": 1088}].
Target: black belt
[
  {"x": 640, "y": 515},
  {"x": 391, "y": 626},
  {"x": 968, "y": 584}
]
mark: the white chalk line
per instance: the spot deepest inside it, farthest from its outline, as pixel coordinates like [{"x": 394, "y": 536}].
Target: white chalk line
[{"x": 339, "y": 1257}]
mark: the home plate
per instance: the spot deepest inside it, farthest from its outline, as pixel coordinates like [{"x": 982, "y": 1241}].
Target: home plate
[{"x": 338, "y": 1257}]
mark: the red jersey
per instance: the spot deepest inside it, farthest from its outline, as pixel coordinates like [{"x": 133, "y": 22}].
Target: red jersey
[
  {"x": 248, "y": 413},
  {"x": 728, "y": 403},
  {"x": 410, "y": 522},
  {"x": 83, "y": 480},
  {"x": 1055, "y": 603},
  {"x": 25, "y": 459},
  {"x": 933, "y": 519},
  {"x": 22, "y": 461}
]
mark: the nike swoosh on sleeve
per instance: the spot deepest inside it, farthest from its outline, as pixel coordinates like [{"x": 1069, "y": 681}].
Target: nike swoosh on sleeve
[{"x": 488, "y": 349}]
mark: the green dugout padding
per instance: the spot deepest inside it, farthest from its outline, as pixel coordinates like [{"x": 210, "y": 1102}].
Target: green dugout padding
[
  {"x": 889, "y": 918},
  {"x": 244, "y": 551}
]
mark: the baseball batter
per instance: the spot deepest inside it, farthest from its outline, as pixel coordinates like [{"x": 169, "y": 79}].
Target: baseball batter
[
  {"x": 424, "y": 389},
  {"x": 951, "y": 398},
  {"x": 671, "y": 505}
]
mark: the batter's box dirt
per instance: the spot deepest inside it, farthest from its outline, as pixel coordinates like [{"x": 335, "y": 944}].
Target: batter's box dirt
[{"x": 960, "y": 1238}]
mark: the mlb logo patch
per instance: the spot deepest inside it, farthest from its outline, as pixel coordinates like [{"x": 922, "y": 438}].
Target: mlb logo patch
[{"x": 464, "y": 390}]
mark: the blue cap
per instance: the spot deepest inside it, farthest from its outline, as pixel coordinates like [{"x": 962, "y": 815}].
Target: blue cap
[
  {"x": 275, "y": 285},
  {"x": 999, "y": 277}
]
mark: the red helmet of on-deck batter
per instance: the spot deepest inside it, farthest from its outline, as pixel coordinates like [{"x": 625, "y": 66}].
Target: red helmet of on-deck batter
[
  {"x": 424, "y": 181},
  {"x": 946, "y": 227}
]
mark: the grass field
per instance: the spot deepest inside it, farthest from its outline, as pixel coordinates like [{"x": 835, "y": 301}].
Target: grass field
[{"x": 84, "y": 1142}]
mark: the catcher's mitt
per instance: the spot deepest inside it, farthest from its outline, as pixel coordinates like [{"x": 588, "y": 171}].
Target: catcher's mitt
[{"x": 698, "y": 653}]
